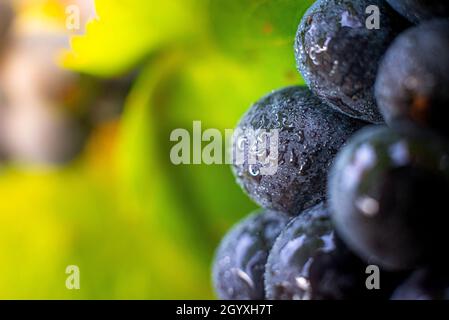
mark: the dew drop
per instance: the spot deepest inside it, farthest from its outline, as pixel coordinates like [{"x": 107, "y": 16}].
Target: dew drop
[
  {"x": 300, "y": 136},
  {"x": 316, "y": 49},
  {"x": 241, "y": 143},
  {"x": 302, "y": 283},
  {"x": 334, "y": 68},
  {"x": 293, "y": 157},
  {"x": 244, "y": 276},
  {"x": 303, "y": 168},
  {"x": 350, "y": 21},
  {"x": 253, "y": 170}
]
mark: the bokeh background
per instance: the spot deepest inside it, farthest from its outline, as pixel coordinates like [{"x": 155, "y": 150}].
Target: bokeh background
[{"x": 85, "y": 120}]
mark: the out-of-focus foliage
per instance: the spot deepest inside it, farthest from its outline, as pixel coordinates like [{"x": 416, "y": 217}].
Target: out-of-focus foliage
[
  {"x": 137, "y": 225},
  {"x": 127, "y": 31}
]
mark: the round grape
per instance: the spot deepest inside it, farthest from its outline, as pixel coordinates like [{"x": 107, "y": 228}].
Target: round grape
[
  {"x": 309, "y": 134},
  {"x": 412, "y": 83},
  {"x": 239, "y": 263},
  {"x": 388, "y": 194},
  {"x": 338, "y": 48}
]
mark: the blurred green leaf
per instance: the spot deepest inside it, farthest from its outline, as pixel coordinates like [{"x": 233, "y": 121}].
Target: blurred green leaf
[
  {"x": 128, "y": 31},
  {"x": 260, "y": 33},
  {"x": 67, "y": 217},
  {"x": 180, "y": 236},
  {"x": 216, "y": 91},
  {"x": 197, "y": 203},
  {"x": 243, "y": 26}
]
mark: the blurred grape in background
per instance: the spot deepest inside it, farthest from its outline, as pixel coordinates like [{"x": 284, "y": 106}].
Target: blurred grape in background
[{"x": 85, "y": 120}]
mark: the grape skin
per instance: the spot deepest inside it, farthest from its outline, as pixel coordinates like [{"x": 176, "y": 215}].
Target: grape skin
[
  {"x": 239, "y": 262},
  {"x": 310, "y": 135}
]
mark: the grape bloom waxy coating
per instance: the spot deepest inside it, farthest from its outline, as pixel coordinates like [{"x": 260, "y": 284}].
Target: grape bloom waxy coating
[
  {"x": 338, "y": 55},
  {"x": 310, "y": 135},
  {"x": 239, "y": 263}
]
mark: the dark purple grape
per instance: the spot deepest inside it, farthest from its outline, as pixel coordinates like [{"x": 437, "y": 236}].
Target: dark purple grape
[
  {"x": 308, "y": 261},
  {"x": 388, "y": 194},
  {"x": 287, "y": 274},
  {"x": 338, "y": 55},
  {"x": 413, "y": 78},
  {"x": 239, "y": 263},
  {"x": 309, "y": 135}
]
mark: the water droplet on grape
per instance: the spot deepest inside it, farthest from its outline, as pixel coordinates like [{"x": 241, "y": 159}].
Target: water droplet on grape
[
  {"x": 349, "y": 20},
  {"x": 303, "y": 283},
  {"x": 244, "y": 276},
  {"x": 253, "y": 170},
  {"x": 241, "y": 143}
]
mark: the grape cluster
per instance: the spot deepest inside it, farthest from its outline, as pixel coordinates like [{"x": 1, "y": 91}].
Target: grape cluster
[{"x": 362, "y": 168}]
